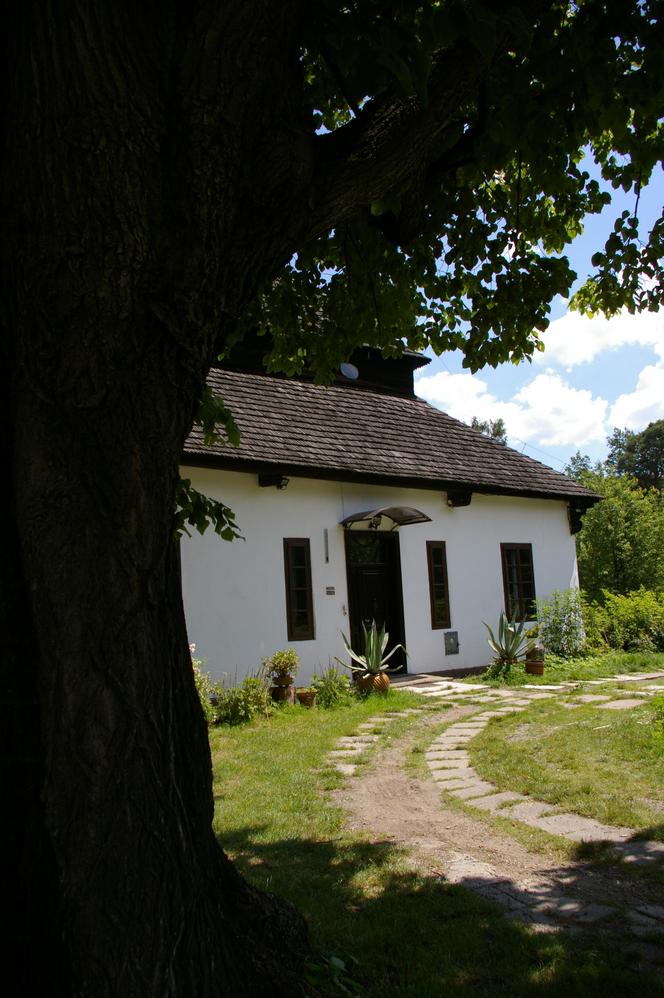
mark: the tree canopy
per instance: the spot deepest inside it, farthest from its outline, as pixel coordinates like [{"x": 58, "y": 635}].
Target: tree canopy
[
  {"x": 462, "y": 131},
  {"x": 640, "y": 455},
  {"x": 494, "y": 428}
]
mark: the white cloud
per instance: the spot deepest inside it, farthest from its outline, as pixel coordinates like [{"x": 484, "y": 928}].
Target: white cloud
[
  {"x": 644, "y": 405},
  {"x": 546, "y": 409},
  {"x": 577, "y": 339}
]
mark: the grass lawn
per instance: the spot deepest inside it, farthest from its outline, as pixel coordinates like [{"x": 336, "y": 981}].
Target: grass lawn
[
  {"x": 604, "y": 764},
  {"x": 558, "y": 670},
  {"x": 403, "y": 935}
]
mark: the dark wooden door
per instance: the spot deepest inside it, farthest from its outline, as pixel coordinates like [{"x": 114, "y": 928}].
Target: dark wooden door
[{"x": 374, "y": 588}]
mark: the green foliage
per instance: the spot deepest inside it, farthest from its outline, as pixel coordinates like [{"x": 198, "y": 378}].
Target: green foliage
[
  {"x": 199, "y": 511},
  {"x": 240, "y": 704},
  {"x": 374, "y": 660},
  {"x": 639, "y": 455},
  {"x": 205, "y": 689},
  {"x": 212, "y": 416},
  {"x": 494, "y": 428},
  {"x": 621, "y": 543},
  {"x": 465, "y": 249},
  {"x": 333, "y": 688},
  {"x": 634, "y": 622},
  {"x": 234, "y": 704},
  {"x": 560, "y": 623},
  {"x": 511, "y": 642},
  {"x": 282, "y": 663}
]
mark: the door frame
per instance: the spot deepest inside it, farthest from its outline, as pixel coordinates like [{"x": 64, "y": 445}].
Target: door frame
[{"x": 391, "y": 538}]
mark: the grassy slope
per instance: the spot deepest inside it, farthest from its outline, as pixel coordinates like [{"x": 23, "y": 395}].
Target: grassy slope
[{"x": 412, "y": 937}]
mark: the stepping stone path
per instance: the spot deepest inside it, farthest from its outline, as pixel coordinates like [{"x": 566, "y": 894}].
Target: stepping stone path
[
  {"x": 535, "y": 901},
  {"x": 349, "y": 746},
  {"x": 450, "y": 767}
]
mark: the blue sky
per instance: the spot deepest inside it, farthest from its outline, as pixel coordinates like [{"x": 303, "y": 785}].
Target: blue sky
[{"x": 594, "y": 374}]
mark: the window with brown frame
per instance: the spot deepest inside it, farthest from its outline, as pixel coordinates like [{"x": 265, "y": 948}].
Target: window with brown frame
[
  {"x": 518, "y": 581},
  {"x": 438, "y": 590},
  {"x": 299, "y": 596}
]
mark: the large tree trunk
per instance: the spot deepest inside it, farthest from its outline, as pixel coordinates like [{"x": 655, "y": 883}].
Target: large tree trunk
[{"x": 130, "y": 247}]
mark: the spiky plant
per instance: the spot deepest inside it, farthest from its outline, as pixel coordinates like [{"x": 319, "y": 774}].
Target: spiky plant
[
  {"x": 512, "y": 642},
  {"x": 373, "y": 661}
]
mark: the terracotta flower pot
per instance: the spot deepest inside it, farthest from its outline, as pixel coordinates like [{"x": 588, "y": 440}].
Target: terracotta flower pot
[
  {"x": 282, "y": 680},
  {"x": 535, "y": 662},
  {"x": 281, "y": 693},
  {"x": 378, "y": 683},
  {"x": 306, "y": 697}
]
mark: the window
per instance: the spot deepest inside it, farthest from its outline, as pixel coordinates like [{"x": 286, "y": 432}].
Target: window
[
  {"x": 518, "y": 581},
  {"x": 438, "y": 592},
  {"x": 299, "y": 597}
]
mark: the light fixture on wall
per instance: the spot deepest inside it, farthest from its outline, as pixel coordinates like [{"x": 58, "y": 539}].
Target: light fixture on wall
[
  {"x": 273, "y": 481},
  {"x": 458, "y": 497}
]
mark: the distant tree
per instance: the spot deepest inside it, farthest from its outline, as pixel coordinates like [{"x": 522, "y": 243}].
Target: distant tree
[
  {"x": 621, "y": 544},
  {"x": 579, "y": 465},
  {"x": 640, "y": 455},
  {"x": 494, "y": 428}
]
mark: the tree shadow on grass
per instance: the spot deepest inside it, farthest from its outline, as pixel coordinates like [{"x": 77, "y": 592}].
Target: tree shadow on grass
[{"x": 420, "y": 937}]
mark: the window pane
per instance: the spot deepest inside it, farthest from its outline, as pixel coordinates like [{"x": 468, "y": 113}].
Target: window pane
[
  {"x": 438, "y": 590},
  {"x": 518, "y": 580},
  {"x": 299, "y": 596}
]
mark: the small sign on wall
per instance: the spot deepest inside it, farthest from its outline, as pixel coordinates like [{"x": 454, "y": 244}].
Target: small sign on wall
[{"x": 451, "y": 642}]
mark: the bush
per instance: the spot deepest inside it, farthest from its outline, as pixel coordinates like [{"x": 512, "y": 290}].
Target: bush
[
  {"x": 560, "y": 623},
  {"x": 634, "y": 622},
  {"x": 234, "y": 704},
  {"x": 206, "y": 691},
  {"x": 240, "y": 704},
  {"x": 333, "y": 689},
  {"x": 281, "y": 664}
]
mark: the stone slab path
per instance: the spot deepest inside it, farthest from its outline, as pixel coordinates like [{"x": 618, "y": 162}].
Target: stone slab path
[{"x": 449, "y": 843}]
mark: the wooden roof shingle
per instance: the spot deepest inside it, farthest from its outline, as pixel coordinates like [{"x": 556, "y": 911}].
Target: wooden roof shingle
[{"x": 348, "y": 433}]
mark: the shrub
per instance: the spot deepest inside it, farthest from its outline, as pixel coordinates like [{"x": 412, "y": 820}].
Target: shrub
[
  {"x": 333, "y": 689},
  {"x": 634, "y": 622},
  {"x": 205, "y": 689},
  {"x": 239, "y": 704},
  {"x": 560, "y": 623},
  {"x": 282, "y": 663}
]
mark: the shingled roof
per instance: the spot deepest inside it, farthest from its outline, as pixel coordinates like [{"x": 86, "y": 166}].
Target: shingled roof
[{"x": 295, "y": 428}]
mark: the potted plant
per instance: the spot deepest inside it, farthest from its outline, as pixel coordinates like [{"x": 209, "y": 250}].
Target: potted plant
[
  {"x": 306, "y": 695},
  {"x": 281, "y": 669},
  {"x": 371, "y": 668},
  {"x": 511, "y": 642},
  {"x": 535, "y": 660}
]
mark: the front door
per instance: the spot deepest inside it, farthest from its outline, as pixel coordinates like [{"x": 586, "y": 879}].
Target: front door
[{"x": 374, "y": 588}]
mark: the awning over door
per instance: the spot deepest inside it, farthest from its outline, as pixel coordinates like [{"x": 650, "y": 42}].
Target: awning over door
[{"x": 401, "y": 515}]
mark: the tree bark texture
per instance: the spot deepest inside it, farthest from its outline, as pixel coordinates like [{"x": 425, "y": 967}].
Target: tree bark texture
[
  {"x": 158, "y": 166},
  {"x": 133, "y": 203}
]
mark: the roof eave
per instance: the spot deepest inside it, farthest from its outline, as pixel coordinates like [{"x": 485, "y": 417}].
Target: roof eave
[{"x": 249, "y": 466}]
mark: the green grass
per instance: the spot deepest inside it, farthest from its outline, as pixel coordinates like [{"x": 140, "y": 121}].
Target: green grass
[
  {"x": 604, "y": 764},
  {"x": 412, "y": 936},
  {"x": 599, "y": 666}
]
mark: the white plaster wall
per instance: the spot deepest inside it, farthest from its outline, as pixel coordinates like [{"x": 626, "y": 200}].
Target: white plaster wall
[{"x": 234, "y": 593}]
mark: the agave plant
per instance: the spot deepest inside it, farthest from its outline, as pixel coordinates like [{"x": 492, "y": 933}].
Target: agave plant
[
  {"x": 512, "y": 642},
  {"x": 374, "y": 660}
]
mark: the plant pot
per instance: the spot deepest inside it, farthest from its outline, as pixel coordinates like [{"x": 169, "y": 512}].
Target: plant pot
[
  {"x": 282, "y": 680},
  {"x": 282, "y": 693},
  {"x": 306, "y": 697},
  {"x": 535, "y": 662},
  {"x": 378, "y": 683}
]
